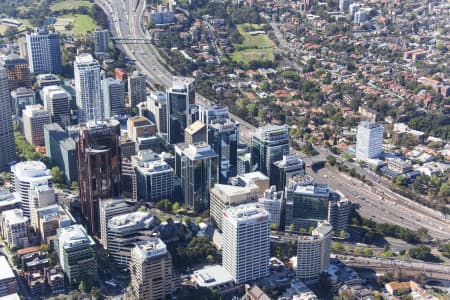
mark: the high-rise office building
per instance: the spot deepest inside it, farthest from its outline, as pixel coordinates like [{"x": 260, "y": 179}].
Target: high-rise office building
[
  {"x": 344, "y": 5},
  {"x": 369, "y": 140},
  {"x": 88, "y": 88},
  {"x": 110, "y": 208},
  {"x": 139, "y": 127},
  {"x": 246, "y": 242},
  {"x": 223, "y": 196},
  {"x": 269, "y": 144},
  {"x": 272, "y": 201},
  {"x": 76, "y": 254},
  {"x": 18, "y": 72},
  {"x": 34, "y": 120},
  {"x": 155, "y": 178},
  {"x": 196, "y": 165},
  {"x": 101, "y": 41},
  {"x": 15, "y": 228},
  {"x": 157, "y": 106},
  {"x": 113, "y": 97},
  {"x": 179, "y": 97},
  {"x": 56, "y": 102},
  {"x": 123, "y": 231},
  {"x": 7, "y": 145},
  {"x": 223, "y": 136},
  {"x": 151, "y": 270},
  {"x": 62, "y": 150},
  {"x": 195, "y": 133},
  {"x": 98, "y": 168},
  {"x": 25, "y": 177},
  {"x": 40, "y": 196},
  {"x": 291, "y": 165},
  {"x": 44, "y": 53},
  {"x": 20, "y": 98},
  {"x": 338, "y": 215},
  {"x": 313, "y": 253},
  {"x": 250, "y": 179},
  {"x": 137, "y": 89},
  {"x": 306, "y": 203}
]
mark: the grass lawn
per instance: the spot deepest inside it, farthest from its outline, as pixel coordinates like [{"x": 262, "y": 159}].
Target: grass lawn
[
  {"x": 70, "y": 4},
  {"x": 81, "y": 23},
  {"x": 253, "y": 47}
]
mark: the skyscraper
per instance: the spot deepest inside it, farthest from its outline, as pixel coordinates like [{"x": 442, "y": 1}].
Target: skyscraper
[
  {"x": 56, "y": 102},
  {"x": 179, "y": 97},
  {"x": 98, "y": 168},
  {"x": 313, "y": 253},
  {"x": 195, "y": 133},
  {"x": 25, "y": 177},
  {"x": 18, "y": 72},
  {"x": 137, "y": 89},
  {"x": 113, "y": 97},
  {"x": 108, "y": 209},
  {"x": 369, "y": 140},
  {"x": 155, "y": 178},
  {"x": 44, "y": 53},
  {"x": 223, "y": 196},
  {"x": 223, "y": 136},
  {"x": 20, "y": 98},
  {"x": 272, "y": 201},
  {"x": 101, "y": 41},
  {"x": 269, "y": 144},
  {"x": 196, "y": 165},
  {"x": 34, "y": 120},
  {"x": 246, "y": 243},
  {"x": 151, "y": 270},
  {"x": 157, "y": 106},
  {"x": 7, "y": 145},
  {"x": 88, "y": 88},
  {"x": 306, "y": 203},
  {"x": 291, "y": 165}
]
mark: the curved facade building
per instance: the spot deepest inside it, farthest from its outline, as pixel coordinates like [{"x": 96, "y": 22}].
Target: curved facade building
[{"x": 26, "y": 177}]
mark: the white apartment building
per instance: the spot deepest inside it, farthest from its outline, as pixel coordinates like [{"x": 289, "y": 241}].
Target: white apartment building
[
  {"x": 34, "y": 120},
  {"x": 246, "y": 242},
  {"x": 25, "y": 177},
  {"x": 109, "y": 209},
  {"x": 272, "y": 201},
  {"x": 155, "y": 178},
  {"x": 15, "y": 228},
  {"x": 56, "y": 102},
  {"x": 313, "y": 253},
  {"x": 369, "y": 140},
  {"x": 88, "y": 88},
  {"x": 157, "y": 105}
]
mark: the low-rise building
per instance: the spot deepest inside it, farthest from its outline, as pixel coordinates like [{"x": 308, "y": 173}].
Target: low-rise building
[
  {"x": 15, "y": 228},
  {"x": 8, "y": 282}
]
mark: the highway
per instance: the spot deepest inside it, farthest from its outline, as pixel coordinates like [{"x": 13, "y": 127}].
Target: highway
[{"x": 378, "y": 203}]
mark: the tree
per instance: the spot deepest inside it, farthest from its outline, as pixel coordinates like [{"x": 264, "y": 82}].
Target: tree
[
  {"x": 343, "y": 234},
  {"x": 292, "y": 228},
  {"x": 210, "y": 259},
  {"x": 331, "y": 159},
  {"x": 82, "y": 286},
  {"x": 57, "y": 175},
  {"x": 75, "y": 186},
  {"x": 421, "y": 252},
  {"x": 164, "y": 205},
  {"x": 399, "y": 180},
  {"x": 274, "y": 227},
  {"x": 175, "y": 207},
  {"x": 337, "y": 247}
]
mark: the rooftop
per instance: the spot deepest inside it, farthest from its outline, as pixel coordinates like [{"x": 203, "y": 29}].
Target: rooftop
[
  {"x": 74, "y": 236},
  {"x": 211, "y": 276},
  {"x": 198, "y": 151},
  {"x": 246, "y": 212},
  {"x": 5, "y": 269},
  {"x": 127, "y": 221},
  {"x": 195, "y": 127},
  {"x": 14, "y": 216},
  {"x": 150, "y": 248}
]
